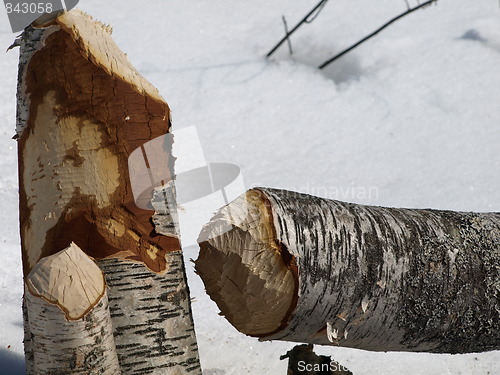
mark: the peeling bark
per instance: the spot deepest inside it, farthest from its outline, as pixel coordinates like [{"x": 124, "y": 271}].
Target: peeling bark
[
  {"x": 83, "y": 110},
  {"x": 374, "y": 278},
  {"x": 69, "y": 320}
]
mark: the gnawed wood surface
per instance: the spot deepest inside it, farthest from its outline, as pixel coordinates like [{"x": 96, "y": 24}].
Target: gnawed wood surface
[
  {"x": 83, "y": 109},
  {"x": 236, "y": 269},
  {"x": 69, "y": 320},
  {"x": 367, "y": 277},
  {"x": 54, "y": 275}
]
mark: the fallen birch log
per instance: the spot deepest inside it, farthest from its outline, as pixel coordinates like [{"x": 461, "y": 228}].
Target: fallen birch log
[
  {"x": 70, "y": 324},
  {"x": 93, "y": 144},
  {"x": 287, "y": 266}
]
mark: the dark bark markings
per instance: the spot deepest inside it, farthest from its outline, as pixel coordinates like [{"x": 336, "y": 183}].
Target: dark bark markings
[{"x": 427, "y": 288}]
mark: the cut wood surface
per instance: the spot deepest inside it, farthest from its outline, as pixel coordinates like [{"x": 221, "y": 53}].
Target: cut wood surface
[
  {"x": 68, "y": 313},
  {"x": 53, "y": 275},
  {"x": 287, "y": 266},
  {"x": 83, "y": 109}
]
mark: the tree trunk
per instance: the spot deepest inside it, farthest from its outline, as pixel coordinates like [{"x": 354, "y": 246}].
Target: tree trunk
[
  {"x": 93, "y": 145},
  {"x": 70, "y": 324},
  {"x": 136, "y": 293},
  {"x": 289, "y": 266}
]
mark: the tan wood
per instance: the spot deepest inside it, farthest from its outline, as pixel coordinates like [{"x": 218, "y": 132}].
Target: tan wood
[{"x": 243, "y": 266}]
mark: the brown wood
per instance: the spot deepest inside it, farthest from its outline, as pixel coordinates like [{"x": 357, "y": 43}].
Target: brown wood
[{"x": 88, "y": 110}]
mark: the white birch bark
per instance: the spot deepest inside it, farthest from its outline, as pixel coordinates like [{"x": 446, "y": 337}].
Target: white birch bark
[
  {"x": 27, "y": 342},
  {"x": 153, "y": 328},
  {"x": 29, "y": 42},
  {"x": 69, "y": 320},
  {"x": 365, "y": 277}
]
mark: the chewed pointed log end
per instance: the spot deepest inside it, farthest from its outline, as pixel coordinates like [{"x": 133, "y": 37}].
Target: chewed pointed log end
[
  {"x": 76, "y": 290},
  {"x": 248, "y": 273},
  {"x": 68, "y": 327}
]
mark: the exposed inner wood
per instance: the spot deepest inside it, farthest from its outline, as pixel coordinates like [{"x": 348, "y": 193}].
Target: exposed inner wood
[
  {"x": 89, "y": 109},
  {"x": 246, "y": 271},
  {"x": 95, "y": 42},
  {"x": 68, "y": 279}
]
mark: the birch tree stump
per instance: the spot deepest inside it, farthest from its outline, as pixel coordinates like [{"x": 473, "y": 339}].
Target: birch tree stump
[
  {"x": 70, "y": 324},
  {"x": 287, "y": 266},
  {"x": 83, "y": 110}
]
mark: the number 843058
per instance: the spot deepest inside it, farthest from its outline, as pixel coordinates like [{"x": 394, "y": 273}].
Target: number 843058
[{"x": 27, "y": 8}]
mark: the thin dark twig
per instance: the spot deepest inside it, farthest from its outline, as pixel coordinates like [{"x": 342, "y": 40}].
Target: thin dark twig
[
  {"x": 286, "y": 32},
  {"x": 295, "y": 28},
  {"x": 339, "y": 55},
  {"x": 314, "y": 16}
]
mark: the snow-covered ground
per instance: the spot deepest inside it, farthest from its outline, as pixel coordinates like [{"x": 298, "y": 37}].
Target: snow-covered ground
[{"x": 409, "y": 119}]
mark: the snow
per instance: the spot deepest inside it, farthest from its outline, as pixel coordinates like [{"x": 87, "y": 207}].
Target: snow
[{"x": 408, "y": 119}]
